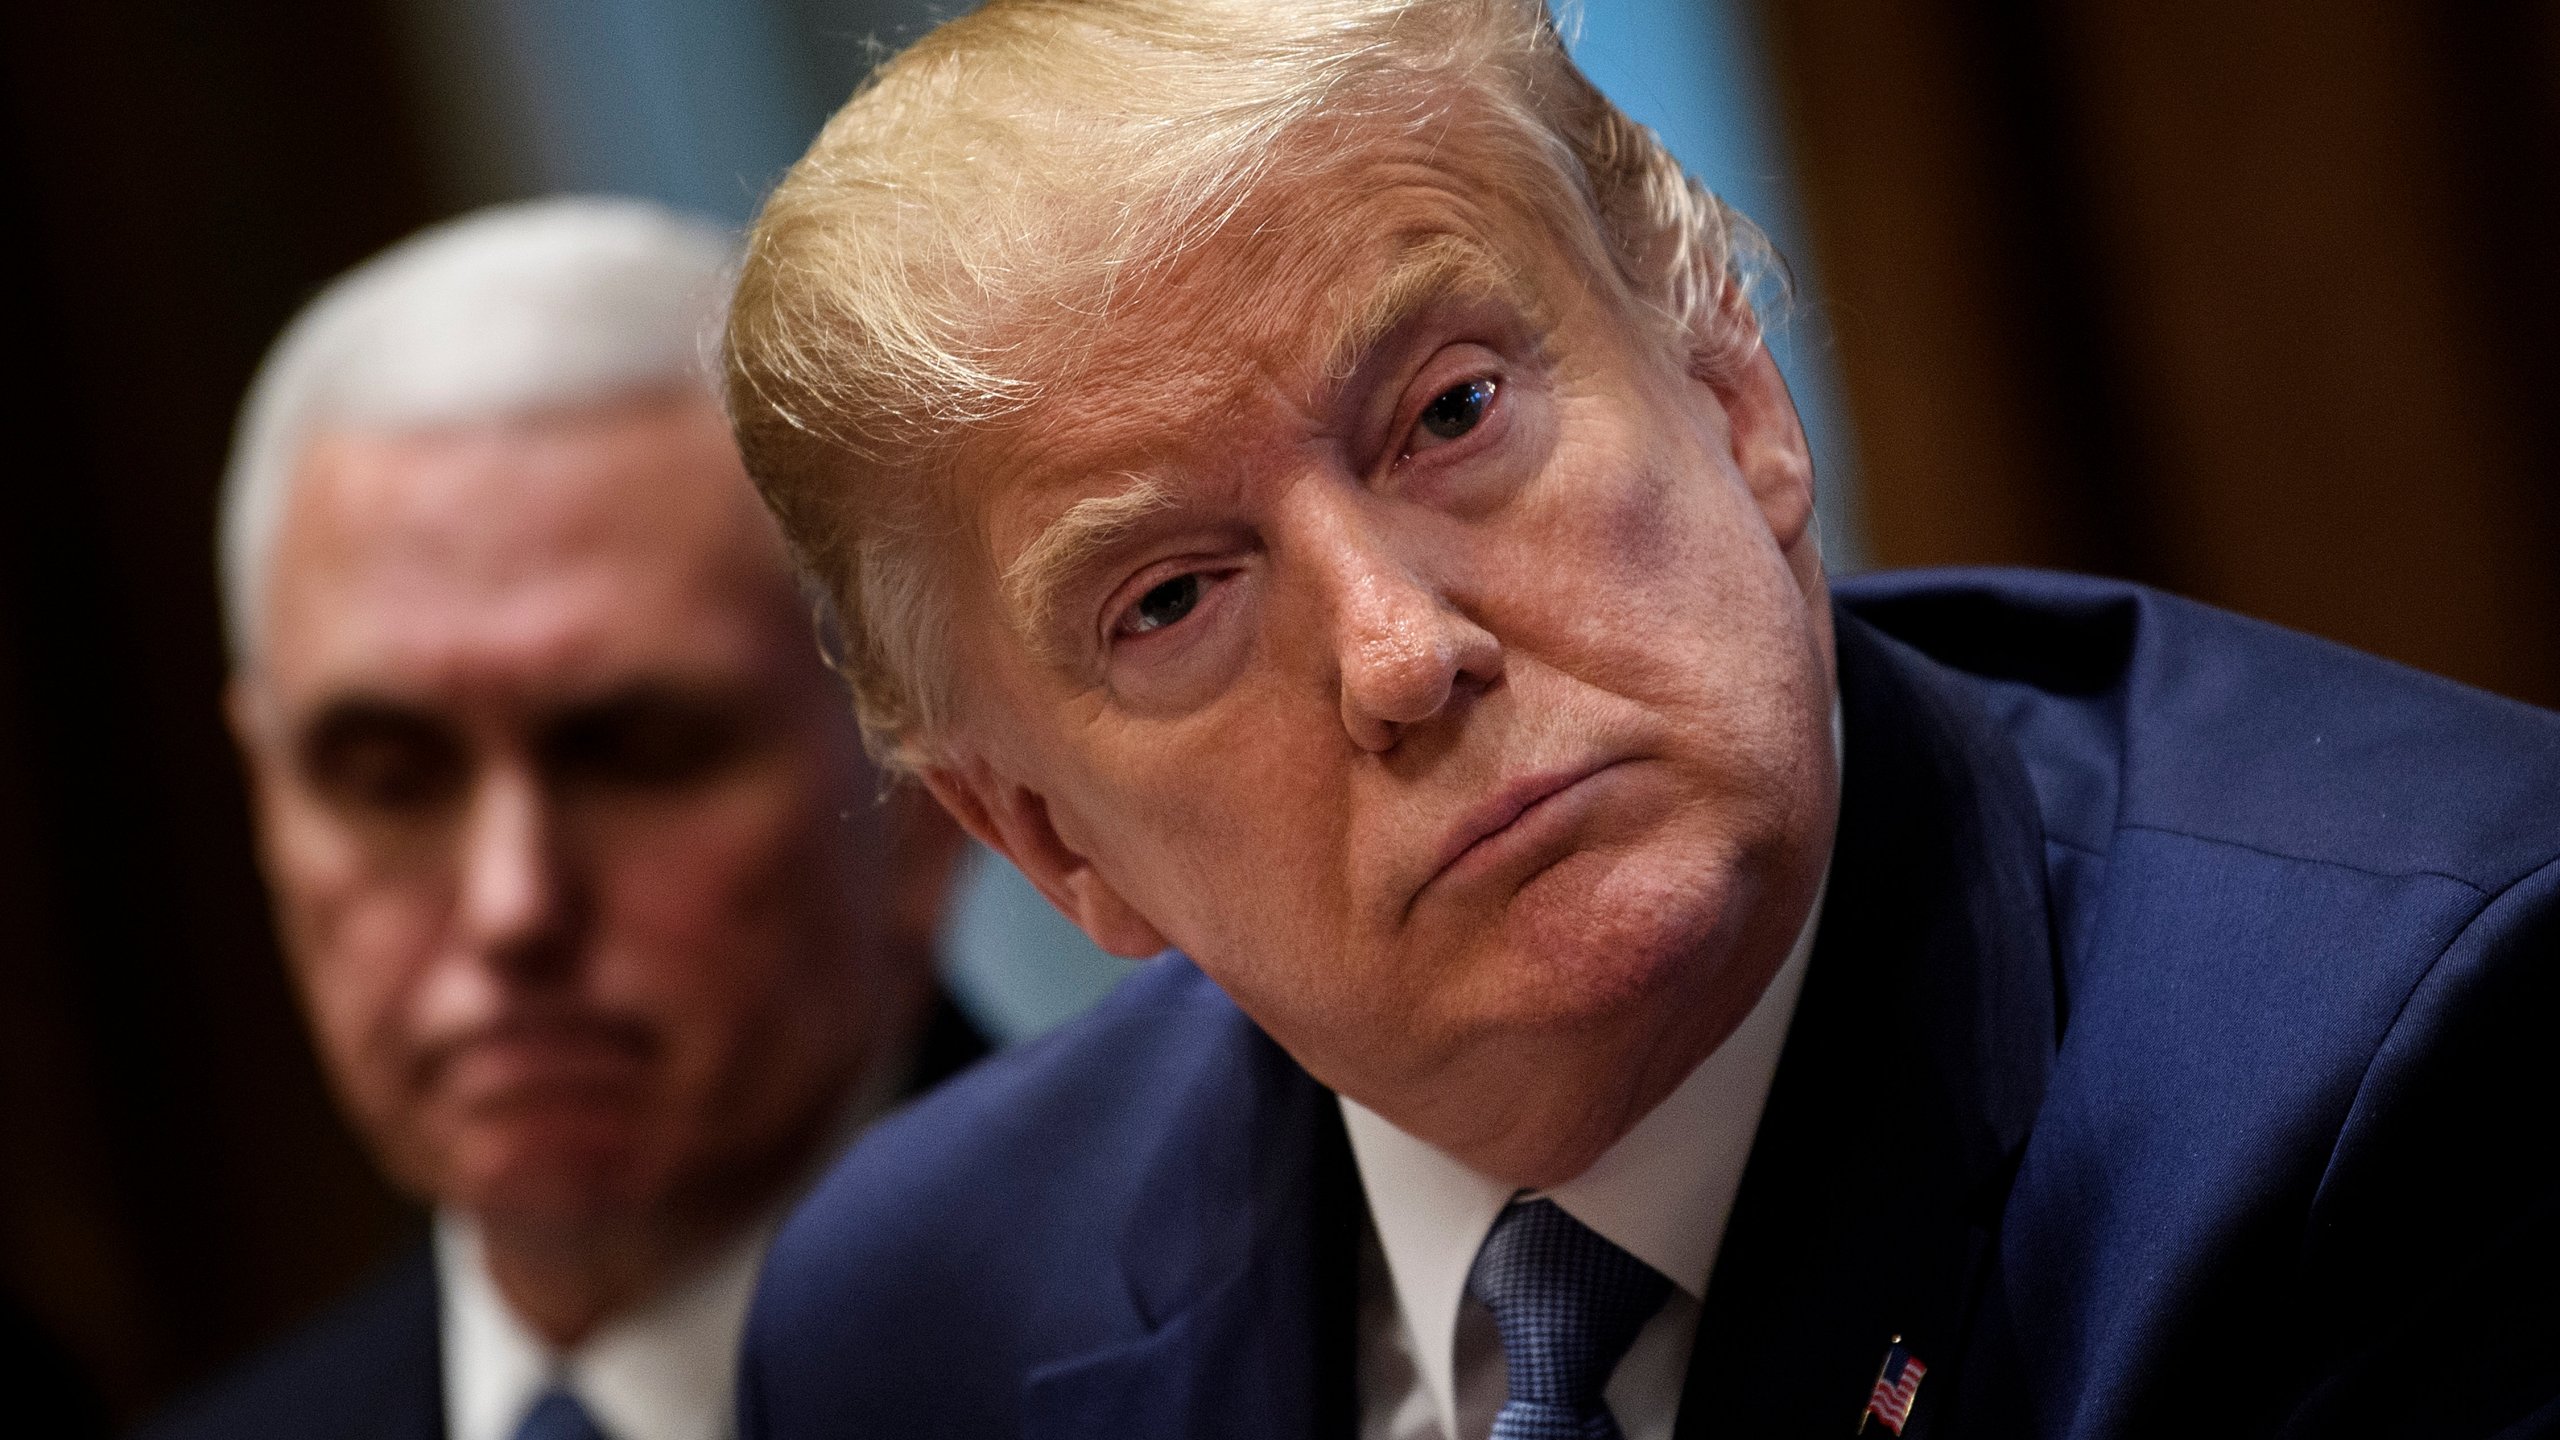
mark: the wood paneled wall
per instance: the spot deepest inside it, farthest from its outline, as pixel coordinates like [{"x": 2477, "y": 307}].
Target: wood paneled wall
[
  {"x": 2255, "y": 301},
  {"x": 174, "y": 180}
]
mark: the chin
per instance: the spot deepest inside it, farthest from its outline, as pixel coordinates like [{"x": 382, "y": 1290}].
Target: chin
[
  {"x": 565, "y": 1168},
  {"x": 1600, "y": 938}
]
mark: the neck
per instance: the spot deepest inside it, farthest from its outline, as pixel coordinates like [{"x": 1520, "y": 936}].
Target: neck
[
  {"x": 565, "y": 1283},
  {"x": 565, "y": 1275},
  {"x": 1574, "y": 1097}
]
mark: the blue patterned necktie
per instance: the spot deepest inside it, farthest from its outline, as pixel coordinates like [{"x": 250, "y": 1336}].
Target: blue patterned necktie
[
  {"x": 558, "y": 1416},
  {"x": 1568, "y": 1304}
]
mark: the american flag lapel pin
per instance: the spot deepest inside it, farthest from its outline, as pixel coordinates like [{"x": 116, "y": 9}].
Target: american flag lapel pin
[{"x": 1897, "y": 1380}]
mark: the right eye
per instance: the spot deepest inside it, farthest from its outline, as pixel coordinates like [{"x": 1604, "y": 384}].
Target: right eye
[
  {"x": 387, "y": 763},
  {"x": 652, "y": 738},
  {"x": 1164, "y": 605}
]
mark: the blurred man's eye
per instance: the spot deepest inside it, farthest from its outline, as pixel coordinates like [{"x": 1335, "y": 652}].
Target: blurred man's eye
[
  {"x": 383, "y": 760},
  {"x": 646, "y": 741}
]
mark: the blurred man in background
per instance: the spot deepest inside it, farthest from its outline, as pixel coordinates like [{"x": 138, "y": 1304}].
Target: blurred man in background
[{"x": 605, "y": 938}]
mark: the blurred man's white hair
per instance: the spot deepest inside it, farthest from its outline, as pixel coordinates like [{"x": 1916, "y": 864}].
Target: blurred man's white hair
[{"x": 545, "y": 305}]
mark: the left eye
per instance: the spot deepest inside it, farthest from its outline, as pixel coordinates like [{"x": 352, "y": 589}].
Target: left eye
[
  {"x": 1164, "y": 605},
  {"x": 1455, "y": 411}
]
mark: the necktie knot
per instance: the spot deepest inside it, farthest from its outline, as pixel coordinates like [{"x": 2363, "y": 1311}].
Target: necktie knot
[
  {"x": 558, "y": 1416},
  {"x": 1568, "y": 1304}
]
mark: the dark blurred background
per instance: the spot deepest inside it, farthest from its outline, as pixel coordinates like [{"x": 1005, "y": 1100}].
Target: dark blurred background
[{"x": 2257, "y": 301}]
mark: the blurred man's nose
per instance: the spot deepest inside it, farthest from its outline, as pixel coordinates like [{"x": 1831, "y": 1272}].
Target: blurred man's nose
[
  {"x": 511, "y": 893},
  {"x": 1404, "y": 652}
]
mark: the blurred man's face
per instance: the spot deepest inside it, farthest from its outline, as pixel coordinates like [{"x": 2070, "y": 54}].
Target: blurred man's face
[
  {"x": 1459, "y": 705},
  {"x": 567, "y": 826}
]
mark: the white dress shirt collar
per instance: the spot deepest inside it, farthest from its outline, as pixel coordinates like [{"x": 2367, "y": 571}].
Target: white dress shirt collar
[
  {"x": 666, "y": 1371},
  {"x": 1662, "y": 1193}
]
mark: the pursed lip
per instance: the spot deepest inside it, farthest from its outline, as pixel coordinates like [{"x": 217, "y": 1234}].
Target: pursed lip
[
  {"x": 1502, "y": 811},
  {"x": 533, "y": 1049}
]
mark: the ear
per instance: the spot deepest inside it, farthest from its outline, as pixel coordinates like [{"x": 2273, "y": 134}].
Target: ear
[
  {"x": 257, "y": 736},
  {"x": 1013, "y": 820},
  {"x": 1769, "y": 450},
  {"x": 252, "y": 730}
]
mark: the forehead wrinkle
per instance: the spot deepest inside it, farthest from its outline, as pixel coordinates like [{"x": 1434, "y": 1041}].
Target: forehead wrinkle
[{"x": 1174, "y": 366}]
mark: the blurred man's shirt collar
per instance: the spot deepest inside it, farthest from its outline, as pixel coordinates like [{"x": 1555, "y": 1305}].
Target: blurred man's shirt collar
[{"x": 666, "y": 1371}]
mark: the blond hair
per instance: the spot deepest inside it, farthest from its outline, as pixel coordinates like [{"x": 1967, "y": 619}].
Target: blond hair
[{"x": 973, "y": 215}]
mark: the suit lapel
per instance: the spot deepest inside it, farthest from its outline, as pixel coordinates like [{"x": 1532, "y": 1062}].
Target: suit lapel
[
  {"x": 1911, "y": 1073},
  {"x": 1240, "y": 1261}
]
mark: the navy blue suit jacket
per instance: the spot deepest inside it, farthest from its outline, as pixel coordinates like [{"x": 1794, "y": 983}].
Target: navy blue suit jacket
[
  {"x": 370, "y": 1369},
  {"x": 2174, "y": 1059}
]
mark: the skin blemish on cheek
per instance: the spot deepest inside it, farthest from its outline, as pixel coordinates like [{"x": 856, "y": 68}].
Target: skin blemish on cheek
[
  {"x": 1651, "y": 517},
  {"x": 1642, "y": 525}
]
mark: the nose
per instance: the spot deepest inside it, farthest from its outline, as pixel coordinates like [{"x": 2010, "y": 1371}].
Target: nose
[
  {"x": 1404, "y": 652},
  {"x": 512, "y": 904}
]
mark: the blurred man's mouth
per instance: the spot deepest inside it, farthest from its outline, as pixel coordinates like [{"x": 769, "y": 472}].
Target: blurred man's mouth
[{"x": 564, "y": 1058}]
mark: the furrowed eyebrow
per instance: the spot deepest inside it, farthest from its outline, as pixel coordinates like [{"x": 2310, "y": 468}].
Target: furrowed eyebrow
[
  {"x": 1037, "y": 580},
  {"x": 1433, "y": 270}
]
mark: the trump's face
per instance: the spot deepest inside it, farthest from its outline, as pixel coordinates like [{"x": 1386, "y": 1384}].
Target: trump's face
[
  {"x": 572, "y": 845},
  {"x": 1384, "y": 617}
]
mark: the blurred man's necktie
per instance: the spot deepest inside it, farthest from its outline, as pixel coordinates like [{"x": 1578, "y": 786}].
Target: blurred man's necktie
[{"x": 559, "y": 1416}]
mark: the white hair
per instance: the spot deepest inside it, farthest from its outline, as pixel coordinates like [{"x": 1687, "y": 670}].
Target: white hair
[{"x": 508, "y": 311}]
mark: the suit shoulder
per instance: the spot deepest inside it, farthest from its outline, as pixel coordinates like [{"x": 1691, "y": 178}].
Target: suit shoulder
[
  {"x": 370, "y": 1365},
  {"x": 1035, "y": 1151},
  {"x": 2218, "y": 728}
]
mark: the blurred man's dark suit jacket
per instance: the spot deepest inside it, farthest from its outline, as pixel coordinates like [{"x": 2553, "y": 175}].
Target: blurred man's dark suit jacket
[
  {"x": 372, "y": 1368},
  {"x": 2175, "y": 1059}
]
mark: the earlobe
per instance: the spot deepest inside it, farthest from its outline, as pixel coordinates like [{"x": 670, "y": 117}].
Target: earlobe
[{"x": 1013, "y": 820}]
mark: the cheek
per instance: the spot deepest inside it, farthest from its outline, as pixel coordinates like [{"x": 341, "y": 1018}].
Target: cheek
[
  {"x": 709, "y": 912},
  {"x": 359, "y": 937},
  {"x": 1643, "y": 566},
  {"x": 1227, "y": 827},
  {"x": 1647, "y": 578}
]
